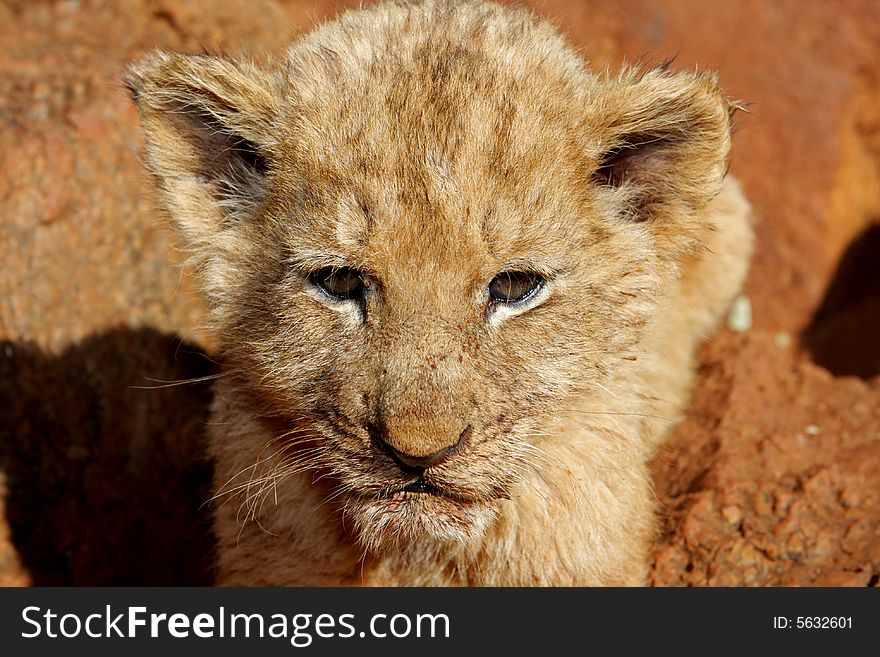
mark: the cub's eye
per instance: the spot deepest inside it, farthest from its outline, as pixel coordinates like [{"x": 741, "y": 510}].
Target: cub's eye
[
  {"x": 344, "y": 283},
  {"x": 514, "y": 286}
]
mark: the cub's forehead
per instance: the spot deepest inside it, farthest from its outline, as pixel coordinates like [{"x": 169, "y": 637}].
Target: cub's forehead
[
  {"x": 433, "y": 78},
  {"x": 416, "y": 221},
  {"x": 450, "y": 124},
  {"x": 457, "y": 121},
  {"x": 421, "y": 37}
]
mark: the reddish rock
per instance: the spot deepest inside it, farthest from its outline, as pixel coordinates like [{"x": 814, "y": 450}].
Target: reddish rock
[{"x": 773, "y": 478}]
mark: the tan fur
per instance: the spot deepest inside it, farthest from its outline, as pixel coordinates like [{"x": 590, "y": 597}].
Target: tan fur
[{"x": 432, "y": 145}]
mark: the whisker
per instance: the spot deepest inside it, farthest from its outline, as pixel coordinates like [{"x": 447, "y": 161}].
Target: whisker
[
  {"x": 181, "y": 382},
  {"x": 284, "y": 442},
  {"x": 621, "y": 413}
]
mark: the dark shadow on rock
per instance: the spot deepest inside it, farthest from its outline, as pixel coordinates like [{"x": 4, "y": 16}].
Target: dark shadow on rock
[
  {"x": 844, "y": 336},
  {"x": 106, "y": 481}
]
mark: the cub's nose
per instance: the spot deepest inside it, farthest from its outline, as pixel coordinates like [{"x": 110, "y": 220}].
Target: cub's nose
[{"x": 425, "y": 461}]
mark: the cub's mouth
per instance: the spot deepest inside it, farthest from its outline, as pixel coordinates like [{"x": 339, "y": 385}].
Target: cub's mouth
[
  {"x": 421, "y": 486},
  {"x": 416, "y": 511},
  {"x": 423, "y": 489}
]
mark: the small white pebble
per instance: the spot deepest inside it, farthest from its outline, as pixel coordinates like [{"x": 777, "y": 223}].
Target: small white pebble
[
  {"x": 812, "y": 430},
  {"x": 739, "y": 319},
  {"x": 782, "y": 340}
]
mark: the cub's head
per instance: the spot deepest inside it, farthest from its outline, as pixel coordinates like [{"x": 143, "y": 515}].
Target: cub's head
[{"x": 422, "y": 234}]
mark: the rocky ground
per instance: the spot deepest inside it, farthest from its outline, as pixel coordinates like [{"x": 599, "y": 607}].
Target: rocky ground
[{"x": 772, "y": 479}]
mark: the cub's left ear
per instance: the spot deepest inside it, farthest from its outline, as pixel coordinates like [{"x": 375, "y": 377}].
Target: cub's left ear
[
  {"x": 209, "y": 140},
  {"x": 663, "y": 143}
]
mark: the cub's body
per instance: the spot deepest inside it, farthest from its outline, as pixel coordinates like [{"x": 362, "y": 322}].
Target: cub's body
[{"x": 458, "y": 281}]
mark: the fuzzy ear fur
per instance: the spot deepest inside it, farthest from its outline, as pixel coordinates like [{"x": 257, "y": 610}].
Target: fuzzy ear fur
[
  {"x": 207, "y": 123},
  {"x": 663, "y": 151}
]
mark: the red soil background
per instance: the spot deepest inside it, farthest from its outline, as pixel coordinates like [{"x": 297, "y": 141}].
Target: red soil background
[{"x": 773, "y": 479}]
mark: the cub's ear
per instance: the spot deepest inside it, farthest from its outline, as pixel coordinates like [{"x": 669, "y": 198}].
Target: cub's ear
[
  {"x": 663, "y": 143},
  {"x": 208, "y": 128}
]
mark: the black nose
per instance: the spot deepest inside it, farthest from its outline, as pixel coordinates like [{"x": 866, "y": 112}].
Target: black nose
[
  {"x": 422, "y": 462},
  {"x": 413, "y": 462}
]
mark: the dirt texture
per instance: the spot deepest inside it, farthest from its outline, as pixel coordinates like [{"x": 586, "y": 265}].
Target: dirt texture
[{"x": 773, "y": 478}]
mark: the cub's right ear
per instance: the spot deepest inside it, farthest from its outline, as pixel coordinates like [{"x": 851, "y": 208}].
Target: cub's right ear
[{"x": 208, "y": 128}]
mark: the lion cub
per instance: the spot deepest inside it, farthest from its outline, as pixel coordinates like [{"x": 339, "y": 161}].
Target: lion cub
[{"x": 457, "y": 280}]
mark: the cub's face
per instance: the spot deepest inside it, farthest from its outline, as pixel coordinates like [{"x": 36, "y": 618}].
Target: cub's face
[
  {"x": 422, "y": 244},
  {"x": 426, "y": 308}
]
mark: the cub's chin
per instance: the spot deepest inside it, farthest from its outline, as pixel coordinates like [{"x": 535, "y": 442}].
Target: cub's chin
[{"x": 407, "y": 517}]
